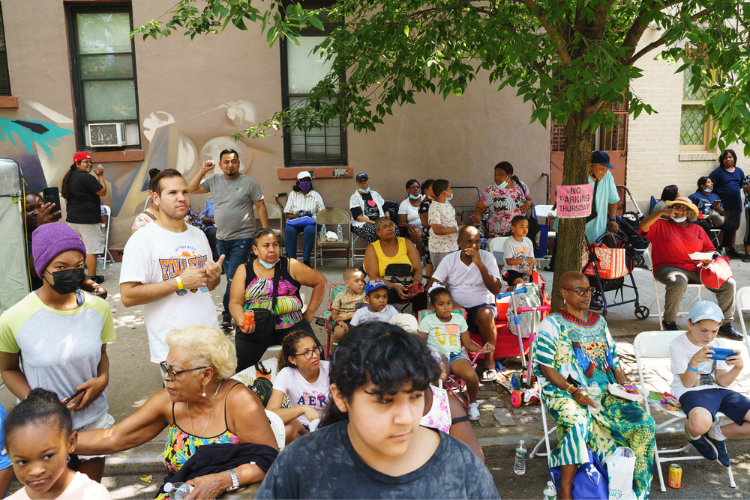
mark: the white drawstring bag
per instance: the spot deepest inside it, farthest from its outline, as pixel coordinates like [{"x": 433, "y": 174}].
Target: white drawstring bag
[{"x": 620, "y": 468}]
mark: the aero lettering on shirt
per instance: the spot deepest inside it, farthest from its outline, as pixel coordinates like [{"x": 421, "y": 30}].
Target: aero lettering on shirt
[{"x": 316, "y": 400}]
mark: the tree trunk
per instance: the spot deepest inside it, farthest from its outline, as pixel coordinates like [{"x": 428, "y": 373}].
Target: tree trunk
[{"x": 571, "y": 232}]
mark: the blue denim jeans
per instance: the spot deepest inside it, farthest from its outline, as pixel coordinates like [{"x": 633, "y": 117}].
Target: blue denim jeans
[
  {"x": 309, "y": 233},
  {"x": 235, "y": 252}
]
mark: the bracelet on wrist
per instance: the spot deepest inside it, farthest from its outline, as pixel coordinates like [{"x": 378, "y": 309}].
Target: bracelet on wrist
[{"x": 692, "y": 369}]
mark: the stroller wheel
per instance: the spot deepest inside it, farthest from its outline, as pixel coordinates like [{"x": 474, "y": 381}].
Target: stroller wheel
[
  {"x": 515, "y": 381},
  {"x": 516, "y": 399},
  {"x": 642, "y": 312}
]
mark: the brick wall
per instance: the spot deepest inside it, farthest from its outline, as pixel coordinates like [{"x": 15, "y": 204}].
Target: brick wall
[{"x": 654, "y": 156}]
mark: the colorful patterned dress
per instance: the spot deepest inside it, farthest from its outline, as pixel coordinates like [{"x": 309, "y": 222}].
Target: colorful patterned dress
[
  {"x": 182, "y": 445},
  {"x": 585, "y": 351},
  {"x": 259, "y": 295},
  {"x": 502, "y": 205}
]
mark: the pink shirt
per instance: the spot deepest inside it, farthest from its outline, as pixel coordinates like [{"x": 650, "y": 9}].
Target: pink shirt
[{"x": 81, "y": 488}]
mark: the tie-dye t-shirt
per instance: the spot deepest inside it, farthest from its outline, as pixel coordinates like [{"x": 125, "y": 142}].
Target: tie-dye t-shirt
[
  {"x": 324, "y": 464},
  {"x": 301, "y": 392}
]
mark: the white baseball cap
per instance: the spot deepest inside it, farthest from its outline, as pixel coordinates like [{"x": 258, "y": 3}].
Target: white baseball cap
[{"x": 303, "y": 174}]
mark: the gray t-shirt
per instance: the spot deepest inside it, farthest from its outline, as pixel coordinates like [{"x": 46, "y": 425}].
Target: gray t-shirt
[
  {"x": 453, "y": 471},
  {"x": 60, "y": 350},
  {"x": 233, "y": 199}
]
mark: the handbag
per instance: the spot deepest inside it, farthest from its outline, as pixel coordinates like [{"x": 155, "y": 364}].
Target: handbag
[
  {"x": 590, "y": 481},
  {"x": 300, "y": 221},
  {"x": 265, "y": 320},
  {"x": 716, "y": 219},
  {"x": 715, "y": 273},
  {"x": 612, "y": 263},
  {"x": 620, "y": 468}
]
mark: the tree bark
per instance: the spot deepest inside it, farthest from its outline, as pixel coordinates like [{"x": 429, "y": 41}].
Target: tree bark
[{"x": 571, "y": 232}]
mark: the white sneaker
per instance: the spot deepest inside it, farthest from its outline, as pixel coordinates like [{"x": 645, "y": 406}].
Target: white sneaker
[{"x": 474, "y": 411}]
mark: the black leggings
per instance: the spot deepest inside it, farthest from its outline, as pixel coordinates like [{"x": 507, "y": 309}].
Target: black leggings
[
  {"x": 728, "y": 227},
  {"x": 418, "y": 302},
  {"x": 250, "y": 351}
]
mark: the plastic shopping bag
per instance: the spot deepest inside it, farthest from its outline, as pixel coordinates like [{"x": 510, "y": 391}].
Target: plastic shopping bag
[{"x": 620, "y": 467}]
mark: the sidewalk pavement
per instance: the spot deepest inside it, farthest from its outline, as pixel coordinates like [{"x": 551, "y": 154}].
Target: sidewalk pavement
[{"x": 133, "y": 378}]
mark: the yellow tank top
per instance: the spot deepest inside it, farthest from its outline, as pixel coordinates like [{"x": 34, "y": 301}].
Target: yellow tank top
[{"x": 401, "y": 256}]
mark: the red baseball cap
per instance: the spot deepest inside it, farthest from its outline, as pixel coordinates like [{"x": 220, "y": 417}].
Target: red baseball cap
[{"x": 83, "y": 155}]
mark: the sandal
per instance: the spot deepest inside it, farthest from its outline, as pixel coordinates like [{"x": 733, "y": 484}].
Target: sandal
[{"x": 489, "y": 375}]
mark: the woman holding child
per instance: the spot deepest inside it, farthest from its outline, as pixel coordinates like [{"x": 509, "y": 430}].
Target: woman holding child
[
  {"x": 390, "y": 250},
  {"x": 574, "y": 350},
  {"x": 253, "y": 288}
]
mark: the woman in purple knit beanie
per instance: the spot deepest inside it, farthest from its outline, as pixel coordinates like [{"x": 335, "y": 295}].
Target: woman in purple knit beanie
[{"x": 62, "y": 334}]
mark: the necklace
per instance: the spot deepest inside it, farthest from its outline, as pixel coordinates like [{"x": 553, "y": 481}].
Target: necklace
[{"x": 209, "y": 411}]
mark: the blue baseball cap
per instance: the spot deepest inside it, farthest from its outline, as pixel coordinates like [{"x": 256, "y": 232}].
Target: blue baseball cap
[
  {"x": 373, "y": 285},
  {"x": 706, "y": 310},
  {"x": 601, "y": 158},
  {"x": 361, "y": 176}
]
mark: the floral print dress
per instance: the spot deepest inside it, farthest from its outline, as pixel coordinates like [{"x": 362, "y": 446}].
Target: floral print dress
[
  {"x": 502, "y": 205},
  {"x": 585, "y": 351}
]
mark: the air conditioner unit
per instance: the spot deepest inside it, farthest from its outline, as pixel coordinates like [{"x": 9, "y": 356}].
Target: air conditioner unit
[{"x": 104, "y": 135}]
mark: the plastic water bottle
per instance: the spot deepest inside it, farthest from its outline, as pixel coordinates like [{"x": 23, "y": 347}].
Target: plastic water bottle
[
  {"x": 339, "y": 233},
  {"x": 178, "y": 491},
  {"x": 520, "y": 466},
  {"x": 323, "y": 232},
  {"x": 595, "y": 393},
  {"x": 550, "y": 493}
]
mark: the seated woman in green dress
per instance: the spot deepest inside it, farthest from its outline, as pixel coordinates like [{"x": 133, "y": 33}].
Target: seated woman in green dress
[{"x": 574, "y": 344}]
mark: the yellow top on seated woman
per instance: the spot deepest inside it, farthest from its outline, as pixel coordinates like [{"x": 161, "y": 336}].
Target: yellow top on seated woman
[{"x": 401, "y": 256}]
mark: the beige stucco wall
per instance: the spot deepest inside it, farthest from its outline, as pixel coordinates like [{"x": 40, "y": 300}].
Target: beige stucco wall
[
  {"x": 194, "y": 94},
  {"x": 654, "y": 156}
]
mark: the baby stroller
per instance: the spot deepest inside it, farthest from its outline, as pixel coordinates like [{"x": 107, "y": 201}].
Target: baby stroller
[
  {"x": 609, "y": 262},
  {"x": 628, "y": 223},
  {"x": 526, "y": 300}
]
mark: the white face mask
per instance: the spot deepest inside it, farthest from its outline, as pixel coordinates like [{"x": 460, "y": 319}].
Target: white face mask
[
  {"x": 266, "y": 264},
  {"x": 501, "y": 186},
  {"x": 449, "y": 198},
  {"x": 680, "y": 219},
  {"x": 414, "y": 197},
  {"x": 707, "y": 190},
  {"x": 364, "y": 191}
]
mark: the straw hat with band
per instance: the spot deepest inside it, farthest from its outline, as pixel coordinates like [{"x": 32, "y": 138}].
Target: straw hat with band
[{"x": 684, "y": 200}]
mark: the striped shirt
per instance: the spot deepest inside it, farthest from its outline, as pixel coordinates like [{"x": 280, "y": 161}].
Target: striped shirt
[{"x": 310, "y": 202}]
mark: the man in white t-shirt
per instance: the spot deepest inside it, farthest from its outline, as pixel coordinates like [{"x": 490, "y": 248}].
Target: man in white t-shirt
[
  {"x": 167, "y": 267},
  {"x": 473, "y": 279}
]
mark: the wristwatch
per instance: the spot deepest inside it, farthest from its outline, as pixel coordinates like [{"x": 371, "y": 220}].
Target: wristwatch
[
  {"x": 180, "y": 288},
  {"x": 235, "y": 482},
  {"x": 613, "y": 219}
]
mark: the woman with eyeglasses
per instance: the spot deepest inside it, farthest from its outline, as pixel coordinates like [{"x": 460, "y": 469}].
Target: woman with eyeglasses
[
  {"x": 673, "y": 240},
  {"x": 303, "y": 377},
  {"x": 400, "y": 254},
  {"x": 201, "y": 408},
  {"x": 574, "y": 350}
]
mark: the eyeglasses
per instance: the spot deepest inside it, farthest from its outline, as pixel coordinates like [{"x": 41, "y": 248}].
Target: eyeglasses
[
  {"x": 387, "y": 226},
  {"x": 173, "y": 374},
  {"x": 582, "y": 291},
  {"x": 309, "y": 354}
]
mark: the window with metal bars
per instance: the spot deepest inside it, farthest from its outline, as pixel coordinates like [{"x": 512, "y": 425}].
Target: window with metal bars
[
  {"x": 302, "y": 69},
  {"x": 104, "y": 75},
  {"x": 4, "y": 74},
  {"x": 694, "y": 135}
]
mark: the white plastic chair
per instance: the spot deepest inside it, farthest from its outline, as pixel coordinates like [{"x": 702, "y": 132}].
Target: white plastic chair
[
  {"x": 106, "y": 257},
  {"x": 277, "y": 426},
  {"x": 742, "y": 303},
  {"x": 696, "y": 286},
  {"x": 656, "y": 345},
  {"x": 495, "y": 246}
]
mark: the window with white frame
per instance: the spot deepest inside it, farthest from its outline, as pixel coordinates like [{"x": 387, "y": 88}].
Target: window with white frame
[{"x": 694, "y": 135}]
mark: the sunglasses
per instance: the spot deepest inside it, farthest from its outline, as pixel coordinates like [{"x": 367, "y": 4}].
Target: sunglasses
[
  {"x": 582, "y": 291},
  {"x": 309, "y": 354},
  {"x": 173, "y": 374}
]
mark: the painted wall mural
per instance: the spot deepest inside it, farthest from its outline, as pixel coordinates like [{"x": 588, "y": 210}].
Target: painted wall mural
[{"x": 42, "y": 141}]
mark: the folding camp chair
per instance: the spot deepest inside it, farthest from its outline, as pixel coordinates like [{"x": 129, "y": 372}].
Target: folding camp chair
[
  {"x": 324, "y": 318},
  {"x": 656, "y": 345},
  {"x": 742, "y": 302}
]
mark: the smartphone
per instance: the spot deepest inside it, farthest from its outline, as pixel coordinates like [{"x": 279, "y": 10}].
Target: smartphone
[
  {"x": 52, "y": 195},
  {"x": 71, "y": 398}
]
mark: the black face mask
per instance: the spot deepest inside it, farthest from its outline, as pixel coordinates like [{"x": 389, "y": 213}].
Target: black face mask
[{"x": 67, "y": 281}]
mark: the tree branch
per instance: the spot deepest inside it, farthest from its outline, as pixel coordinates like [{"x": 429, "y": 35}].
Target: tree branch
[
  {"x": 560, "y": 47},
  {"x": 661, "y": 41},
  {"x": 639, "y": 27}
]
